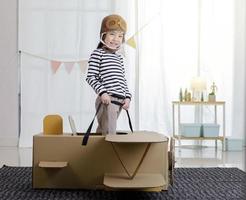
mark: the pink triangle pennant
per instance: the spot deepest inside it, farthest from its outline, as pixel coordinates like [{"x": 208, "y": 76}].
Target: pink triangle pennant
[
  {"x": 69, "y": 66},
  {"x": 83, "y": 64},
  {"x": 55, "y": 65}
]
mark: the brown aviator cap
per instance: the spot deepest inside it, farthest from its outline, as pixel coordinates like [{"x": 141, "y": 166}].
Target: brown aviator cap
[{"x": 113, "y": 23}]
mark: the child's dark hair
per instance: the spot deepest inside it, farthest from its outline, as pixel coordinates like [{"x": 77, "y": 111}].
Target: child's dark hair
[{"x": 100, "y": 44}]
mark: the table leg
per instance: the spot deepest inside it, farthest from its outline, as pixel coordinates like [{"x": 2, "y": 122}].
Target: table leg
[{"x": 224, "y": 131}]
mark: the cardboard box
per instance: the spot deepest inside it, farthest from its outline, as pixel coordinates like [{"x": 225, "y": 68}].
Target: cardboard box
[
  {"x": 59, "y": 161},
  {"x": 234, "y": 144},
  {"x": 190, "y": 129}
]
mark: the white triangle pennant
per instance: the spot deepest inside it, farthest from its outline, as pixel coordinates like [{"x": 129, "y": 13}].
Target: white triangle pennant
[
  {"x": 122, "y": 51},
  {"x": 83, "y": 65},
  {"x": 69, "y": 66}
]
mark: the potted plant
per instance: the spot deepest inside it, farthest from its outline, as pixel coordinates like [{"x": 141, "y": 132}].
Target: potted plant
[{"x": 211, "y": 95}]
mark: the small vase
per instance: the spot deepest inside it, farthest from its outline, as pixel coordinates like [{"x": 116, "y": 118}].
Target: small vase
[{"x": 212, "y": 97}]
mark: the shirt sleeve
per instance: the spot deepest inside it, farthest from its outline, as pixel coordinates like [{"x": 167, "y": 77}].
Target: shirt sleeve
[
  {"x": 93, "y": 74},
  {"x": 128, "y": 94}
]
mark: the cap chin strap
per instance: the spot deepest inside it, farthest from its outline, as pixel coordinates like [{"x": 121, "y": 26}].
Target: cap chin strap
[{"x": 115, "y": 49}]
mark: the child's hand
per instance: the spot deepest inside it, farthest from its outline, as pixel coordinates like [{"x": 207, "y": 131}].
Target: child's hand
[
  {"x": 126, "y": 104},
  {"x": 105, "y": 98}
]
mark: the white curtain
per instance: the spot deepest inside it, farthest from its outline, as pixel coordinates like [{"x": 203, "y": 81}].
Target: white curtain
[
  {"x": 168, "y": 34},
  {"x": 168, "y": 49},
  {"x": 65, "y": 31},
  {"x": 187, "y": 39}
]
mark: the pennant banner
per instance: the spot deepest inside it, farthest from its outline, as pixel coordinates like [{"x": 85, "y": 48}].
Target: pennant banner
[
  {"x": 131, "y": 42},
  {"x": 122, "y": 51},
  {"x": 69, "y": 66},
  {"x": 83, "y": 65},
  {"x": 55, "y": 65}
]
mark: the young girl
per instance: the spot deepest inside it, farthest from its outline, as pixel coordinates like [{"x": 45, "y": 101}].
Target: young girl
[{"x": 106, "y": 74}]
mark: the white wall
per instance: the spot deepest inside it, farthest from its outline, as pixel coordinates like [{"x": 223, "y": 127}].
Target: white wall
[
  {"x": 8, "y": 73},
  {"x": 9, "y": 68},
  {"x": 239, "y": 107}
]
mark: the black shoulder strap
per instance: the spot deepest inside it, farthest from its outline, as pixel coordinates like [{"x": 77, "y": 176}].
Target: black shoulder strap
[
  {"x": 128, "y": 115},
  {"x": 87, "y": 134}
]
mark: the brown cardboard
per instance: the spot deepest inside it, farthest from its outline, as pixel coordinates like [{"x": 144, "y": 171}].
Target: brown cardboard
[
  {"x": 52, "y": 164},
  {"x": 60, "y": 161},
  {"x": 136, "y": 137},
  {"x": 119, "y": 181}
]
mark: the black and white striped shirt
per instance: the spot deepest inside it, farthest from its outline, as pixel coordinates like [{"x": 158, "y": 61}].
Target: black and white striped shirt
[{"x": 106, "y": 74}]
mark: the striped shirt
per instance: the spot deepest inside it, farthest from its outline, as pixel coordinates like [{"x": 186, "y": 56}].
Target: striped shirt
[{"x": 106, "y": 74}]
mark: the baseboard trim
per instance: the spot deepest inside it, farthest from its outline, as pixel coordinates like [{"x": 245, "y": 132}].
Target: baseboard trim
[{"x": 8, "y": 142}]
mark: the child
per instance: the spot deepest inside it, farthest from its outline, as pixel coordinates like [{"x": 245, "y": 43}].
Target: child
[{"x": 106, "y": 74}]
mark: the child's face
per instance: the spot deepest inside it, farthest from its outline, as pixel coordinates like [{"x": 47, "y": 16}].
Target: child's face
[{"x": 114, "y": 39}]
